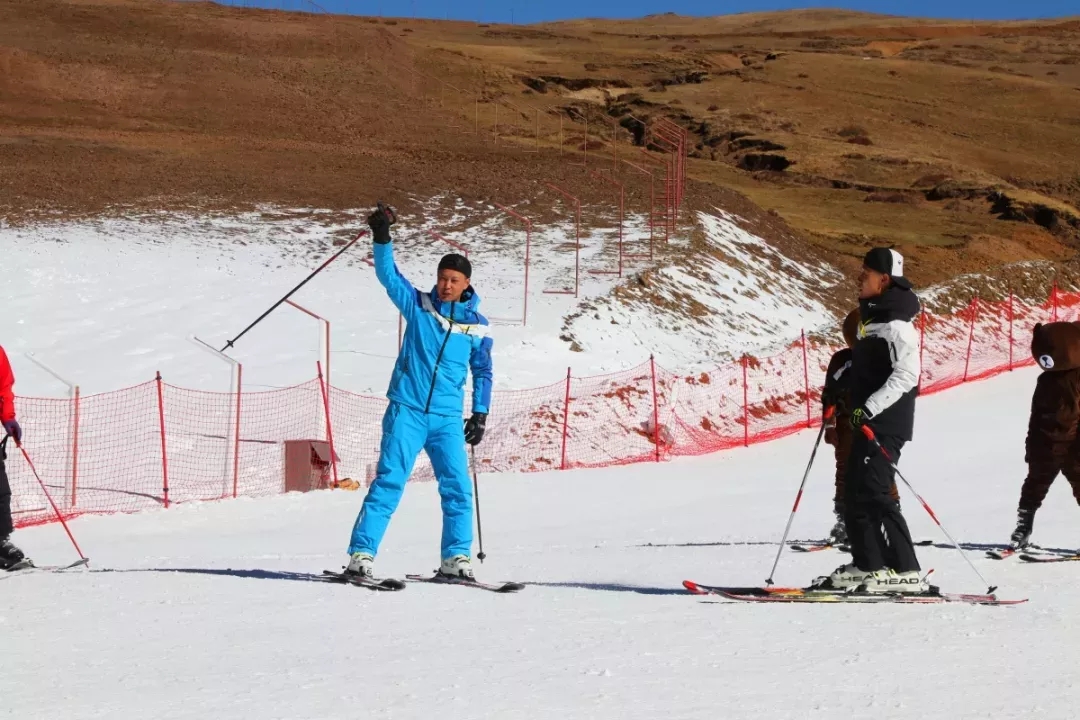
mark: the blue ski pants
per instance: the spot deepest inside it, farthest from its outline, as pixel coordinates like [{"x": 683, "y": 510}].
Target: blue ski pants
[{"x": 405, "y": 432}]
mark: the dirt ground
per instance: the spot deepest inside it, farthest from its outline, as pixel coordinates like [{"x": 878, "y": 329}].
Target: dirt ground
[{"x": 959, "y": 143}]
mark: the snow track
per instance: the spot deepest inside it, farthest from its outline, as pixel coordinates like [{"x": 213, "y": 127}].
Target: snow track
[{"x": 210, "y": 610}]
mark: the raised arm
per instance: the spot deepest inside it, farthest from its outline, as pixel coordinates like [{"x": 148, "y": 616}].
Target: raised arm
[{"x": 401, "y": 291}]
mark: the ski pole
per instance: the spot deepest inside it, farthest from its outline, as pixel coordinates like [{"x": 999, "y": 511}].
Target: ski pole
[
  {"x": 274, "y": 306},
  {"x": 869, "y": 433},
  {"x": 476, "y": 494},
  {"x": 798, "y": 497},
  {"x": 59, "y": 516}
]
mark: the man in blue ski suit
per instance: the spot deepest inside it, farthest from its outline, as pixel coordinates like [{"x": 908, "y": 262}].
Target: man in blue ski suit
[{"x": 444, "y": 339}]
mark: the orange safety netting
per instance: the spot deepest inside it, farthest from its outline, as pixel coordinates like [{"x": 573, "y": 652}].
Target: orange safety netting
[{"x": 155, "y": 445}]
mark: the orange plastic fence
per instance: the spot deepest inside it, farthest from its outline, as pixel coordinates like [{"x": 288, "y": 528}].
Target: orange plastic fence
[{"x": 156, "y": 445}]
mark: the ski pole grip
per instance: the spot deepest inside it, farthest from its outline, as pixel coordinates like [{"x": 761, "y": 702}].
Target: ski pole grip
[
  {"x": 868, "y": 432},
  {"x": 829, "y": 412},
  {"x": 391, "y": 216}
]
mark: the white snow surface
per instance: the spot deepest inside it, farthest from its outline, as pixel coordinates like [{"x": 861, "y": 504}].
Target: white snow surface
[
  {"x": 752, "y": 298},
  {"x": 107, "y": 302},
  {"x": 204, "y": 610}
]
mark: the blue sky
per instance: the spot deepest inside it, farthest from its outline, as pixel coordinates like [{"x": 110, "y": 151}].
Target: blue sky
[{"x": 528, "y": 11}]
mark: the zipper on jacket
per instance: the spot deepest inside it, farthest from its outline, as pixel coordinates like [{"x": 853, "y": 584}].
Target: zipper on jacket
[{"x": 435, "y": 372}]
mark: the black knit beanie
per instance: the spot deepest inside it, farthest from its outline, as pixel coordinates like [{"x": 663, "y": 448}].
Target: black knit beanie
[{"x": 453, "y": 261}]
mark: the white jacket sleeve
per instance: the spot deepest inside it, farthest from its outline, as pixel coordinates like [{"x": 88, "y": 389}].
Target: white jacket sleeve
[{"x": 903, "y": 341}]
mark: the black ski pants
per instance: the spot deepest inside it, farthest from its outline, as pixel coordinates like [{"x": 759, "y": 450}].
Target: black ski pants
[
  {"x": 877, "y": 532},
  {"x": 6, "y": 525},
  {"x": 1043, "y": 470}
]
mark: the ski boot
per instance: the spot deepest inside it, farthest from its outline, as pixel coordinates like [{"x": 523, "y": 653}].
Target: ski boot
[
  {"x": 1021, "y": 537},
  {"x": 888, "y": 580},
  {"x": 361, "y": 564},
  {"x": 10, "y": 556},
  {"x": 845, "y": 577},
  {"x": 458, "y": 567}
]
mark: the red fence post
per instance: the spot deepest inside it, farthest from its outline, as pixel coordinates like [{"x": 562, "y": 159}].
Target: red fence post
[
  {"x": 655, "y": 408},
  {"x": 164, "y": 453},
  {"x": 236, "y": 435},
  {"x": 525, "y": 301},
  {"x": 974, "y": 309},
  {"x": 528, "y": 243},
  {"x": 577, "y": 240},
  {"x": 806, "y": 376},
  {"x": 746, "y": 402},
  {"x": 75, "y": 450},
  {"x": 1010, "y": 329},
  {"x": 1054, "y": 301},
  {"x": 922, "y": 342},
  {"x": 565, "y": 420},
  {"x": 329, "y": 425},
  {"x": 622, "y": 206}
]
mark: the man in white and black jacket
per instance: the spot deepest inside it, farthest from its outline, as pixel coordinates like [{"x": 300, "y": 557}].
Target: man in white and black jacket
[{"x": 884, "y": 381}]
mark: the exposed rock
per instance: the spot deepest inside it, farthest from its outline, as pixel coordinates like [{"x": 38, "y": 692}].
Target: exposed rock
[{"x": 764, "y": 161}]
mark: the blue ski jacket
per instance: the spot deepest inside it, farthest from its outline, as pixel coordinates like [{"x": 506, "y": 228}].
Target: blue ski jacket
[{"x": 442, "y": 342}]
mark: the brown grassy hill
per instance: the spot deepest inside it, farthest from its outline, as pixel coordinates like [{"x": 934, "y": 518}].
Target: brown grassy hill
[{"x": 958, "y": 141}]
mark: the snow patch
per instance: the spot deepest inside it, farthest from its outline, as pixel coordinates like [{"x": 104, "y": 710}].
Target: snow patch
[
  {"x": 736, "y": 294},
  {"x": 109, "y": 301}
]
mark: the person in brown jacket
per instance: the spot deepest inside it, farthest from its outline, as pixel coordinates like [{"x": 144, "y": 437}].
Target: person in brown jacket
[
  {"x": 838, "y": 430},
  {"x": 1052, "y": 446},
  {"x": 837, "y": 395}
]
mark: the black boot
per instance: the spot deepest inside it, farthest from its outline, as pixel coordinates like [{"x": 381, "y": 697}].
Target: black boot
[
  {"x": 1021, "y": 536},
  {"x": 9, "y": 554}
]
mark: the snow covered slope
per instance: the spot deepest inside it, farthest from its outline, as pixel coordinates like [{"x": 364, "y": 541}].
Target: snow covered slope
[
  {"x": 736, "y": 294},
  {"x": 207, "y": 611},
  {"x": 108, "y": 302}
]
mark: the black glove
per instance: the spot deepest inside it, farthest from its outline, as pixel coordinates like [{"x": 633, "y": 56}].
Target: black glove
[
  {"x": 860, "y": 417},
  {"x": 474, "y": 428},
  {"x": 828, "y": 399},
  {"x": 380, "y": 222},
  {"x": 12, "y": 428}
]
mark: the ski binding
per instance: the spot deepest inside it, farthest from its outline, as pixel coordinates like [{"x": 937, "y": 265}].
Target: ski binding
[
  {"x": 507, "y": 587},
  {"x": 28, "y": 564},
  {"x": 359, "y": 581},
  {"x": 811, "y": 595}
]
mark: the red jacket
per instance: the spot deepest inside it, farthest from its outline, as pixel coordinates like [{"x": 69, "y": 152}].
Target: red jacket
[{"x": 7, "y": 395}]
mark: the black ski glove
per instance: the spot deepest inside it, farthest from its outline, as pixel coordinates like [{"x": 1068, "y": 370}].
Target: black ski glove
[
  {"x": 860, "y": 417},
  {"x": 474, "y": 428},
  {"x": 12, "y": 428},
  {"x": 380, "y": 222}
]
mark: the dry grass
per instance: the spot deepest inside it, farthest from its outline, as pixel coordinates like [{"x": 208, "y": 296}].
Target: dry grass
[
  {"x": 857, "y": 103},
  {"x": 150, "y": 102}
]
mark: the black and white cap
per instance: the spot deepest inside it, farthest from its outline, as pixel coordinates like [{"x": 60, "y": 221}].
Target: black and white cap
[{"x": 889, "y": 262}]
